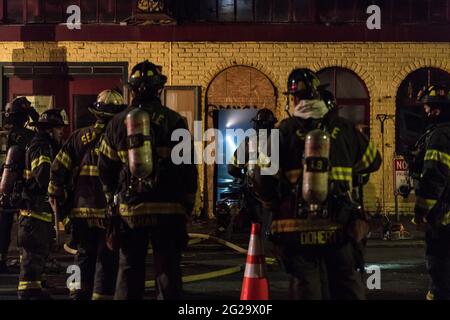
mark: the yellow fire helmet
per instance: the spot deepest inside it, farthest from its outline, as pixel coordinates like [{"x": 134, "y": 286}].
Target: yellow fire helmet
[{"x": 109, "y": 102}]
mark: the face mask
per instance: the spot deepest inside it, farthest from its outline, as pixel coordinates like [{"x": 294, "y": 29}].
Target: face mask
[{"x": 310, "y": 109}]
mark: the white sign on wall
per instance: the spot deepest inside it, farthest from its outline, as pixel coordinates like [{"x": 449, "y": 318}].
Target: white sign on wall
[{"x": 400, "y": 173}]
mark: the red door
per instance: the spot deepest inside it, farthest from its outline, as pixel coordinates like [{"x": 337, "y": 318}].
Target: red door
[
  {"x": 56, "y": 87},
  {"x": 83, "y": 92}
]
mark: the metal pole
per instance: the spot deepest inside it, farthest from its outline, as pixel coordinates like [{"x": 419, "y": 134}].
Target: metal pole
[
  {"x": 397, "y": 217},
  {"x": 383, "y": 204},
  {"x": 382, "y": 118}
]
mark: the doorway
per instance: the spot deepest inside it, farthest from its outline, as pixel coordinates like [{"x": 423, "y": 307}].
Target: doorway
[
  {"x": 225, "y": 184},
  {"x": 234, "y": 89}
]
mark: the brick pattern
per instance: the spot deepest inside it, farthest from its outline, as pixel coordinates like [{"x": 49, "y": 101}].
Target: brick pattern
[
  {"x": 382, "y": 66},
  {"x": 242, "y": 86}
]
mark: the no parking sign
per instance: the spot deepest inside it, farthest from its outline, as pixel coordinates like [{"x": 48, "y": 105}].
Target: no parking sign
[{"x": 400, "y": 173}]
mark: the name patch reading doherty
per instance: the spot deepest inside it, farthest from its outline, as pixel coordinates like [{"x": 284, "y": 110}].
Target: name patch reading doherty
[{"x": 321, "y": 237}]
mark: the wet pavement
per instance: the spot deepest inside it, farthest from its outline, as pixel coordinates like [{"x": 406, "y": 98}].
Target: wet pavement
[{"x": 401, "y": 264}]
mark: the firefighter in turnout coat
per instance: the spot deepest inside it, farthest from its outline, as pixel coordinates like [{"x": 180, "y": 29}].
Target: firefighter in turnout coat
[
  {"x": 76, "y": 192},
  {"x": 35, "y": 216},
  {"x": 155, "y": 195},
  {"x": 315, "y": 241}
]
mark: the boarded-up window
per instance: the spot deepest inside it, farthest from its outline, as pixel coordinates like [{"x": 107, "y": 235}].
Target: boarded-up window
[
  {"x": 242, "y": 87},
  {"x": 185, "y": 100}
]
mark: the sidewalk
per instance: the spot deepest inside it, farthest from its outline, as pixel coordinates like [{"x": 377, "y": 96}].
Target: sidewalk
[{"x": 416, "y": 238}]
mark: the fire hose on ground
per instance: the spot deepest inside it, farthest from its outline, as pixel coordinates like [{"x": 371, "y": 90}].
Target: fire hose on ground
[{"x": 198, "y": 237}]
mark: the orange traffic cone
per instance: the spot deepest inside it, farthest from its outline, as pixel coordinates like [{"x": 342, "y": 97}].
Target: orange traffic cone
[{"x": 255, "y": 285}]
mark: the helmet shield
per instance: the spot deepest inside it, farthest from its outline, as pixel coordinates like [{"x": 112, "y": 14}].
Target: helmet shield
[
  {"x": 303, "y": 84},
  {"x": 108, "y": 104}
]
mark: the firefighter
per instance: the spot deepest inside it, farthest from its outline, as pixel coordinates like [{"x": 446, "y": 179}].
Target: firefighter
[
  {"x": 263, "y": 120},
  {"x": 76, "y": 193},
  {"x": 156, "y": 196},
  {"x": 359, "y": 180},
  {"x": 432, "y": 207},
  {"x": 17, "y": 114},
  {"x": 35, "y": 216},
  {"x": 238, "y": 168},
  {"x": 314, "y": 239}
]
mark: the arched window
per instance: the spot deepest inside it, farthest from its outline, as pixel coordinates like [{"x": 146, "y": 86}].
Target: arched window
[
  {"x": 351, "y": 95},
  {"x": 241, "y": 87},
  {"x": 409, "y": 120}
]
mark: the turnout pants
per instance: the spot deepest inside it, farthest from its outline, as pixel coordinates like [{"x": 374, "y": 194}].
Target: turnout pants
[
  {"x": 325, "y": 274},
  {"x": 34, "y": 239},
  {"x": 168, "y": 237},
  {"x": 438, "y": 261},
  {"x": 6, "y": 223},
  {"x": 98, "y": 265}
]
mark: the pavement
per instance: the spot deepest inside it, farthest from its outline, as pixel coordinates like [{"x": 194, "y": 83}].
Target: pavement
[{"x": 401, "y": 263}]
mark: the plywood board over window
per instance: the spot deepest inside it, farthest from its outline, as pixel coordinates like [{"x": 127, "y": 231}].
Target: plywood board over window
[
  {"x": 241, "y": 87},
  {"x": 185, "y": 100}
]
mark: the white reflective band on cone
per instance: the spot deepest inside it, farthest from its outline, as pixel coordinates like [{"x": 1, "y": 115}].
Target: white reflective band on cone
[
  {"x": 256, "y": 249},
  {"x": 254, "y": 271}
]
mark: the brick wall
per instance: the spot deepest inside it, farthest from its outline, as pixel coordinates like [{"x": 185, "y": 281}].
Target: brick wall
[{"x": 382, "y": 66}]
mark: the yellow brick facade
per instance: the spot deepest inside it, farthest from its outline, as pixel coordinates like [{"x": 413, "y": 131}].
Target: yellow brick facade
[{"x": 382, "y": 66}]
